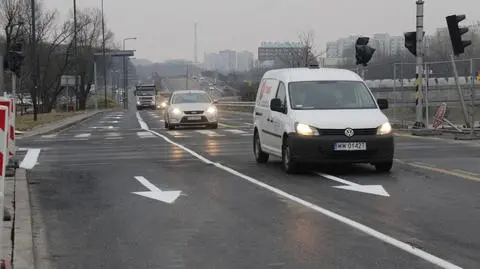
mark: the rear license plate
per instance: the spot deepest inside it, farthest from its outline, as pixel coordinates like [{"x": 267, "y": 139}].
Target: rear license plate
[
  {"x": 350, "y": 146},
  {"x": 194, "y": 118}
]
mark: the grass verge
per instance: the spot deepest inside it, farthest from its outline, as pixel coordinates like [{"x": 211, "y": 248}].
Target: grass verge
[{"x": 26, "y": 122}]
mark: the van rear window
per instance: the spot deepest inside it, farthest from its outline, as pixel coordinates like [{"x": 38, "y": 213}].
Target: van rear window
[{"x": 305, "y": 95}]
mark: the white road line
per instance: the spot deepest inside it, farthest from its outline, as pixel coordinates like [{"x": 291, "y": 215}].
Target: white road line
[
  {"x": 114, "y": 138},
  {"x": 30, "y": 159},
  {"x": 235, "y": 131},
  {"x": 208, "y": 132},
  {"x": 145, "y": 134},
  {"x": 247, "y": 134},
  {"x": 142, "y": 123},
  {"x": 175, "y": 133},
  {"x": 84, "y": 135},
  {"x": 249, "y": 124},
  {"x": 113, "y": 134},
  {"x": 49, "y": 136},
  {"x": 356, "y": 225}
]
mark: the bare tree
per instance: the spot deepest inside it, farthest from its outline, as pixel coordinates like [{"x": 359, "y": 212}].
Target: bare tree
[
  {"x": 302, "y": 53},
  {"x": 89, "y": 41}
]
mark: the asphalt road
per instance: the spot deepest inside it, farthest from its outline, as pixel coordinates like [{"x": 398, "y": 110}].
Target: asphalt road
[{"x": 234, "y": 213}]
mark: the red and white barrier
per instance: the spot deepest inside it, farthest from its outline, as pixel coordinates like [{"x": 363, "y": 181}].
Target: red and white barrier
[
  {"x": 10, "y": 103},
  {"x": 4, "y": 157}
]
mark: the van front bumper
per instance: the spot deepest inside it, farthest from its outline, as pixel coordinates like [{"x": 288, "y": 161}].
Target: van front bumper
[{"x": 321, "y": 149}]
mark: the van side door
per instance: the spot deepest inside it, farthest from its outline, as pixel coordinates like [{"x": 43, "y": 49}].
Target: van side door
[
  {"x": 279, "y": 119},
  {"x": 262, "y": 113}
]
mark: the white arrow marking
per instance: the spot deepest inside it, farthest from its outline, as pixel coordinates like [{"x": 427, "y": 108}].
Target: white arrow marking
[
  {"x": 156, "y": 193},
  {"x": 371, "y": 189}
]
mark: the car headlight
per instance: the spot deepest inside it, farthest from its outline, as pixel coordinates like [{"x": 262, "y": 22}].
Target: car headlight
[
  {"x": 384, "y": 129},
  {"x": 176, "y": 111},
  {"x": 163, "y": 104},
  {"x": 304, "y": 129},
  {"x": 211, "y": 110},
  {"x": 138, "y": 102}
]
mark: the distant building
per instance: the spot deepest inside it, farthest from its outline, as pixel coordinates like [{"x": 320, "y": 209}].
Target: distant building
[
  {"x": 211, "y": 61},
  {"x": 270, "y": 51},
  {"x": 227, "y": 60},
  {"x": 244, "y": 61}
]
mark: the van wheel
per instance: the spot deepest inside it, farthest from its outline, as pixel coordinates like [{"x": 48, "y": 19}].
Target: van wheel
[
  {"x": 289, "y": 165},
  {"x": 260, "y": 156},
  {"x": 384, "y": 167}
]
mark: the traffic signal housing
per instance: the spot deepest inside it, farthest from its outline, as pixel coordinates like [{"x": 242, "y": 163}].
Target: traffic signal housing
[
  {"x": 13, "y": 60},
  {"x": 363, "y": 52},
  {"x": 411, "y": 42},
  {"x": 456, "y": 33}
]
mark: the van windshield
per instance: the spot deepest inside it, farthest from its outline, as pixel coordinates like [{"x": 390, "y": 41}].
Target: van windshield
[{"x": 309, "y": 95}]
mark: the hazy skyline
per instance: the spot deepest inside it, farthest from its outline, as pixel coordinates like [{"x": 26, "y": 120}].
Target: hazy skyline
[{"x": 166, "y": 31}]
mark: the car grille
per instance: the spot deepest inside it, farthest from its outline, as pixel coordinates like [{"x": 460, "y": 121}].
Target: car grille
[
  {"x": 368, "y": 131},
  {"x": 194, "y": 112}
]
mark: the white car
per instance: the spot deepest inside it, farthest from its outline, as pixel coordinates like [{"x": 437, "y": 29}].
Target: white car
[
  {"x": 322, "y": 115},
  {"x": 190, "y": 108}
]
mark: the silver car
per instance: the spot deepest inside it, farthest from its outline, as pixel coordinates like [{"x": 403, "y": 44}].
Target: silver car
[{"x": 190, "y": 108}]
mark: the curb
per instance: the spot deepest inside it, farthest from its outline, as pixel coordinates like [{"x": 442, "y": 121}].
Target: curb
[
  {"x": 65, "y": 125},
  {"x": 23, "y": 253}
]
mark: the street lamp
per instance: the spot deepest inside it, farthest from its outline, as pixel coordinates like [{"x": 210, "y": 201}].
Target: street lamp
[{"x": 125, "y": 73}]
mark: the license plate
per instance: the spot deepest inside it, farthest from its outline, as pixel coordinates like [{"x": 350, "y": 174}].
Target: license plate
[
  {"x": 350, "y": 146},
  {"x": 194, "y": 118}
]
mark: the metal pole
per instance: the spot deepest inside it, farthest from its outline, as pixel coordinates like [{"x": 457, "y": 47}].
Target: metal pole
[
  {"x": 95, "y": 82},
  {"x": 419, "y": 109},
  {"x": 427, "y": 110},
  {"x": 75, "y": 52},
  {"x": 394, "y": 89},
  {"x": 460, "y": 93},
  {"x": 472, "y": 98},
  {"x": 104, "y": 58},
  {"x": 1, "y": 74},
  {"x": 126, "y": 81},
  {"x": 14, "y": 86},
  {"x": 186, "y": 80},
  {"x": 35, "y": 63}
]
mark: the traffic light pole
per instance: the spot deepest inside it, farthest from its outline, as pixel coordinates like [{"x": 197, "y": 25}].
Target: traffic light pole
[
  {"x": 460, "y": 92},
  {"x": 419, "y": 109}
]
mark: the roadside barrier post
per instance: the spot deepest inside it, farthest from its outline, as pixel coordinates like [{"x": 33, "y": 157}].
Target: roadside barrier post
[{"x": 4, "y": 129}]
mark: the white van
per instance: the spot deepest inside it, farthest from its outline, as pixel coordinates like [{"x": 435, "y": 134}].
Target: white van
[{"x": 322, "y": 116}]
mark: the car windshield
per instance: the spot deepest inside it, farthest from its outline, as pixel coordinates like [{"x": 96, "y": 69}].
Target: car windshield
[
  {"x": 309, "y": 95},
  {"x": 191, "y": 98}
]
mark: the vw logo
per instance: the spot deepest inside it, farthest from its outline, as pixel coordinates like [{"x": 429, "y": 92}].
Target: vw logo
[{"x": 349, "y": 132}]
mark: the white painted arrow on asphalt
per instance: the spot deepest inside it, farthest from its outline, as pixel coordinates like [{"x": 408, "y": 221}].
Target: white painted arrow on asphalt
[
  {"x": 371, "y": 189},
  {"x": 156, "y": 193}
]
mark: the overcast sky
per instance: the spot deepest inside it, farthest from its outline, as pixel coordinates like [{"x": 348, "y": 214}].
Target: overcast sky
[{"x": 165, "y": 31}]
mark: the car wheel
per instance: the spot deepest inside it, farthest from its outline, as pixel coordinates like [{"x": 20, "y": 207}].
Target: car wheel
[
  {"x": 170, "y": 127},
  {"x": 214, "y": 126},
  {"x": 384, "y": 167},
  {"x": 289, "y": 165},
  {"x": 260, "y": 156},
  {"x": 166, "y": 125}
]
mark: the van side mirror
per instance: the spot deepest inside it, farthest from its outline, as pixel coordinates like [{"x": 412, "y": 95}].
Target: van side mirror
[
  {"x": 276, "y": 105},
  {"x": 382, "y": 103}
]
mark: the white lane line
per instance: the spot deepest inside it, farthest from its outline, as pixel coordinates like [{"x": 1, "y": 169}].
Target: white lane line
[
  {"x": 356, "y": 225},
  {"x": 84, "y": 135},
  {"x": 49, "y": 136},
  {"x": 208, "y": 132},
  {"x": 30, "y": 159},
  {"x": 145, "y": 134},
  {"x": 247, "y": 134},
  {"x": 235, "y": 131},
  {"x": 142, "y": 123},
  {"x": 249, "y": 124}
]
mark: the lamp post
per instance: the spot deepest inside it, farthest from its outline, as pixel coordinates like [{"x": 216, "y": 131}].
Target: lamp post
[
  {"x": 104, "y": 58},
  {"x": 125, "y": 74}
]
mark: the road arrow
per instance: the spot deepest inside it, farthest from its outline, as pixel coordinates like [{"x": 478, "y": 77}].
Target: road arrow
[
  {"x": 156, "y": 193},
  {"x": 371, "y": 189}
]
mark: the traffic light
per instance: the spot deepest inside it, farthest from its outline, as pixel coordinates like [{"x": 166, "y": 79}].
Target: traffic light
[
  {"x": 363, "y": 52},
  {"x": 14, "y": 59},
  {"x": 456, "y": 33},
  {"x": 411, "y": 42}
]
